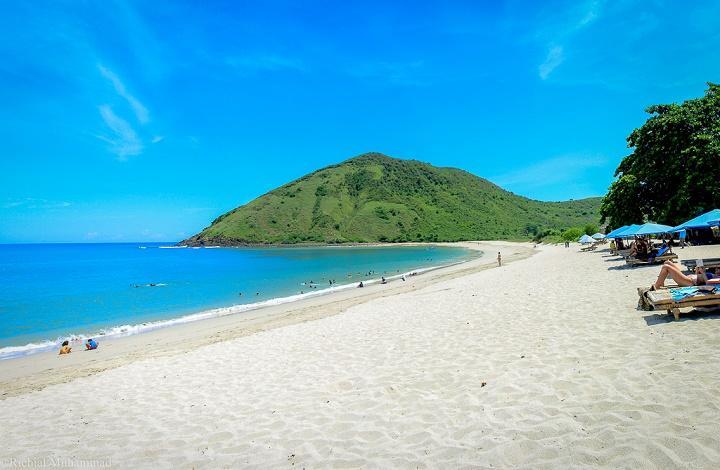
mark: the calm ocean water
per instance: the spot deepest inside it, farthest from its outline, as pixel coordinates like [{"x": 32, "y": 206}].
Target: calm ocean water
[{"x": 55, "y": 291}]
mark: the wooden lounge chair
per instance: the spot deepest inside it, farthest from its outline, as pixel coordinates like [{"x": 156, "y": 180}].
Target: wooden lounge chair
[
  {"x": 707, "y": 262},
  {"x": 589, "y": 248},
  {"x": 657, "y": 260},
  {"x": 707, "y": 296}
]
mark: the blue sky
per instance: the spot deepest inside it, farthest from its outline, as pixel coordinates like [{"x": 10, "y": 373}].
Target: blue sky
[{"x": 130, "y": 121}]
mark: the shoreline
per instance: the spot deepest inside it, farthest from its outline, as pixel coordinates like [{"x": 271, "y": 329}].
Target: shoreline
[
  {"x": 36, "y": 371},
  {"x": 77, "y": 338},
  {"x": 12, "y": 352}
]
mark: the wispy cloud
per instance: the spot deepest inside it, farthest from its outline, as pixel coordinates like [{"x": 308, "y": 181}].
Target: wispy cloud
[
  {"x": 158, "y": 139},
  {"x": 552, "y": 61},
  {"x": 125, "y": 142},
  {"x": 591, "y": 13},
  {"x": 138, "y": 108},
  {"x": 580, "y": 18},
  {"x": 265, "y": 62},
  {"x": 35, "y": 203},
  {"x": 550, "y": 173}
]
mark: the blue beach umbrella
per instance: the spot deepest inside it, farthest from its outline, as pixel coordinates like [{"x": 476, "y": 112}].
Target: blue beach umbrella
[
  {"x": 616, "y": 231},
  {"x": 651, "y": 229},
  {"x": 629, "y": 231},
  {"x": 586, "y": 239},
  {"x": 702, "y": 221},
  {"x": 598, "y": 236}
]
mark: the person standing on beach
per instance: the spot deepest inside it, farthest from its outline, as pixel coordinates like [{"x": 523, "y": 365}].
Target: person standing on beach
[{"x": 499, "y": 258}]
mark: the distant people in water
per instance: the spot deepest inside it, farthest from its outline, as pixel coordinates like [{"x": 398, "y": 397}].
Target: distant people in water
[
  {"x": 499, "y": 259},
  {"x": 65, "y": 348},
  {"x": 383, "y": 281},
  {"x": 361, "y": 284},
  {"x": 91, "y": 344}
]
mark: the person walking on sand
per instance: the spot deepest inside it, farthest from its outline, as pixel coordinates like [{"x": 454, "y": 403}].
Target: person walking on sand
[{"x": 499, "y": 258}]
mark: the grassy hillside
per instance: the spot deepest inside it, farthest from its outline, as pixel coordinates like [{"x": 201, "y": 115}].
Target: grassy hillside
[{"x": 373, "y": 198}]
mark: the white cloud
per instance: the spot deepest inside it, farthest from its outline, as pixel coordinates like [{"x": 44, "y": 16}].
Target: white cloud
[
  {"x": 592, "y": 12},
  {"x": 562, "y": 170},
  {"x": 138, "y": 108},
  {"x": 158, "y": 139},
  {"x": 125, "y": 142},
  {"x": 35, "y": 203},
  {"x": 552, "y": 61},
  {"x": 561, "y": 33}
]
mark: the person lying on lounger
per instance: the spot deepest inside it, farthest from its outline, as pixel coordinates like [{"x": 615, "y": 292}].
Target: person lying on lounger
[{"x": 673, "y": 271}]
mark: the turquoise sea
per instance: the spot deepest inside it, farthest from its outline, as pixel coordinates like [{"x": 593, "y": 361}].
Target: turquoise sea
[{"x": 52, "y": 292}]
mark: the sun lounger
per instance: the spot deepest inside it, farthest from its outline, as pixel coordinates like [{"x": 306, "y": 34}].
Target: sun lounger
[
  {"x": 707, "y": 263},
  {"x": 664, "y": 254},
  {"x": 673, "y": 299},
  {"x": 589, "y": 248},
  {"x": 657, "y": 260}
]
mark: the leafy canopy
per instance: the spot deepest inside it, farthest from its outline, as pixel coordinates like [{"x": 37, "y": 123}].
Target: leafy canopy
[{"x": 673, "y": 172}]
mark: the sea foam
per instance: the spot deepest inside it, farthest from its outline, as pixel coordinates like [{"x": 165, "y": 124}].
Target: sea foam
[{"x": 10, "y": 352}]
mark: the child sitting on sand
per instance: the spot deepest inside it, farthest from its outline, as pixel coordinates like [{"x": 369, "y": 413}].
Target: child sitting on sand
[
  {"x": 65, "y": 348},
  {"x": 91, "y": 344}
]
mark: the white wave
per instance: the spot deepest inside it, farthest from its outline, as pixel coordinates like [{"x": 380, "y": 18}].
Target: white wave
[{"x": 10, "y": 352}]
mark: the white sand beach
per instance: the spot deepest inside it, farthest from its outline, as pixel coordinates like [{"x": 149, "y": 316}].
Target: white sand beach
[{"x": 542, "y": 363}]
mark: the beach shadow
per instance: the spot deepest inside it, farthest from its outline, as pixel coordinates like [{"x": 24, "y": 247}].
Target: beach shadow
[
  {"x": 621, "y": 267},
  {"x": 661, "y": 317}
]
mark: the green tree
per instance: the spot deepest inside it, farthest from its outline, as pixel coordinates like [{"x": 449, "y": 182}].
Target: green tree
[
  {"x": 591, "y": 229},
  {"x": 673, "y": 172},
  {"x": 572, "y": 234}
]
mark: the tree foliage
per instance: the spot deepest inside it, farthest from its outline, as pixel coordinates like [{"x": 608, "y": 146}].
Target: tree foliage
[{"x": 673, "y": 172}]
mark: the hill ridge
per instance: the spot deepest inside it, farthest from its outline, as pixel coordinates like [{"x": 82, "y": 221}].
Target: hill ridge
[{"x": 373, "y": 197}]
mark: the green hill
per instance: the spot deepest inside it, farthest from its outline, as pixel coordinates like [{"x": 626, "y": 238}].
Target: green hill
[{"x": 375, "y": 198}]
